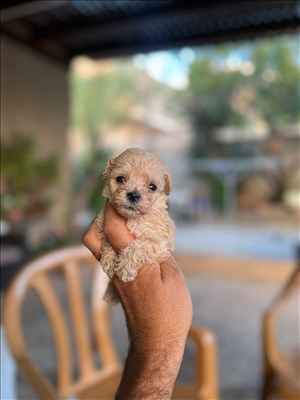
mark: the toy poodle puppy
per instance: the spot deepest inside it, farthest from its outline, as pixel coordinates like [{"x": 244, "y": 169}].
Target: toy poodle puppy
[{"x": 137, "y": 187}]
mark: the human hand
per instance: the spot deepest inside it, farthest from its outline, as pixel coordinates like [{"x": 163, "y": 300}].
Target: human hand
[
  {"x": 114, "y": 229},
  {"x": 157, "y": 304},
  {"x": 158, "y": 311}
]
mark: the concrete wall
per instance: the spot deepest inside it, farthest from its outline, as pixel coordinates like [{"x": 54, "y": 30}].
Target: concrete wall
[{"x": 34, "y": 100}]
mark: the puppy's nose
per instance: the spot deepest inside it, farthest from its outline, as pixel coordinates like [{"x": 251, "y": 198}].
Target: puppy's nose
[{"x": 133, "y": 196}]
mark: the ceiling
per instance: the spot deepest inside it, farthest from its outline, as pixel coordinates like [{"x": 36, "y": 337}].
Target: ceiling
[{"x": 62, "y": 29}]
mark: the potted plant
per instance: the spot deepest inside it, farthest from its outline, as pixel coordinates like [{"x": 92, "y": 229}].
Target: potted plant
[{"x": 25, "y": 179}]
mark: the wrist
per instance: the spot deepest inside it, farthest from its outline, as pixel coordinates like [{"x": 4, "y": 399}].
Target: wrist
[
  {"x": 170, "y": 355},
  {"x": 161, "y": 339},
  {"x": 149, "y": 374},
  {"x": 149, "y": 350}
]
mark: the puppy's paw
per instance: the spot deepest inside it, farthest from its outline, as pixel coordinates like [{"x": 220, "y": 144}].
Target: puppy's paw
[
  {"x": 108, "y": 269},
  {"x": 126, "y": 275},
  {"x": 110, "y": 273},
  {"x": 108, "y": 260}
]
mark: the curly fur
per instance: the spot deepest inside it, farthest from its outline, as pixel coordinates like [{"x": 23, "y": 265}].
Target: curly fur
[{"x": 147, "y": 218}]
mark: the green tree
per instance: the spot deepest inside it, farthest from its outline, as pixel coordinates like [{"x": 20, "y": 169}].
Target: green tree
[
  {"x": 25, "y": 174},
  {"x": 276, "y": 80},
  {"x": 215, "y": 89},
  {"x": 103, "y": 102},
  {"x": 100, "y": 100},
  {"x": 209, "y": 103},
  {"x": 97, "y": 102}
]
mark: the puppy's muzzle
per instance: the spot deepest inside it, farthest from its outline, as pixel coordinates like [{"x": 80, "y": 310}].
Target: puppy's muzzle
[{"x": 134, "y": 196}]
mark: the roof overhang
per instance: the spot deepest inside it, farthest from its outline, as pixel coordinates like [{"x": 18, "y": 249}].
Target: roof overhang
[{"x": 63, "y": 29}]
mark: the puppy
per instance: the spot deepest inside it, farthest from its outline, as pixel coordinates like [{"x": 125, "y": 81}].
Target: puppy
[{"x": 137, "y": 186}]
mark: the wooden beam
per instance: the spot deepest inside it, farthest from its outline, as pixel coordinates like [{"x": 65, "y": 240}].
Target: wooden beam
[
  {"x": 61, "y": 58},
  {"x": 115, "y": 49},
  {"x": 28, "y": 8},
  {"x": 197, "y": 23},
  {"x": 81, "y": 26}
]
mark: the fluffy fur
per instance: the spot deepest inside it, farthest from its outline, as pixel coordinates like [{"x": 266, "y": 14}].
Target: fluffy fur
[{"x": 138, "y": 184}]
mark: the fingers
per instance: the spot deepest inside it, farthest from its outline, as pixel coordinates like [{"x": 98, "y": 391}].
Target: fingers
[
  {"x": 151, "y": 275},
  {"x": 92, "y": 241},
  {"x": 148, "y": 273},
  {"x": 147, "y": 279},
  {"x": 115, "y": 228}
]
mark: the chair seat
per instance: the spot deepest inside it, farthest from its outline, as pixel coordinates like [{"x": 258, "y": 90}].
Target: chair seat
[
  {"x": 98, "y": 389},
  {"x": 281, "y": 371},
  {"x": 293, "y": 365},
  {"x": 288, "y": 378},
  {"x": 184, "y": 392}
]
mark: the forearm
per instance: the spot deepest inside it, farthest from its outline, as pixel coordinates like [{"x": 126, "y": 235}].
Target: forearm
[{"x": 150, "y": 377}]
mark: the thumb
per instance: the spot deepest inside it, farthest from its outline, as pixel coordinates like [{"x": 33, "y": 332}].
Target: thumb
[{"x": 92, "y": 241}]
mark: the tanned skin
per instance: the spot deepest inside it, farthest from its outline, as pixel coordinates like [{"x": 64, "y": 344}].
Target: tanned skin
[{"x": 158, "y": 312}]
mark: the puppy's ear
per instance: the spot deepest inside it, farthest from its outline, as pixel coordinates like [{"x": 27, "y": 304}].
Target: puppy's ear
[
  {"x": 167, "y": 187},
  {"x": 108, "y": 168}
]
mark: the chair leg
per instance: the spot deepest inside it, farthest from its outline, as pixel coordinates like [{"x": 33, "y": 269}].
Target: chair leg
[{"x": 268, "y": 385}]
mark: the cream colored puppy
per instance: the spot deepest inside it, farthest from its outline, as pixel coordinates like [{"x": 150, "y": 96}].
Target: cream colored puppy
[{"x": 138, "y": 184}]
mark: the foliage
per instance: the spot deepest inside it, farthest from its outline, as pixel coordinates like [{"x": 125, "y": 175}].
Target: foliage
[
  {"x": 92, "y": 166},
  {"x": 276, "y": 80},
  {"x": 216, "y": 188},
  {"x": 209, "y": 105},
  {"x": 100, "y": 103},
  {"x": 96, "y": 200},
  {"x": 100, "y": 100},
  {"x": 24, "y": 173},
  {"x": 222, "y": 94}
]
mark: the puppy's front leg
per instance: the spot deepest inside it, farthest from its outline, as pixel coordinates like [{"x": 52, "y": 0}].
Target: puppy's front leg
[
  {"x": 137, "y": 254},
  {"x": 108, "y": 259}
]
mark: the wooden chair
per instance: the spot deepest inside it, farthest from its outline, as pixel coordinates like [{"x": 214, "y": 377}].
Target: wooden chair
[
  {"x": 281, "y": 372},
  {"x": 92, "y": 383}
]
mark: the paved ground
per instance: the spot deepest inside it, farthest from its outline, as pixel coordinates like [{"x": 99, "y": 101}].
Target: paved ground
[
  {"x": 230, "y": 307},
  {"x": 256, "y": 242}
]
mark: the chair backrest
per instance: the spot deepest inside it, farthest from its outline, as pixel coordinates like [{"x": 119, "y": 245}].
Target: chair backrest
[
  {"x": 277, "y": 366},
  {"x": 36, "y": 275}
]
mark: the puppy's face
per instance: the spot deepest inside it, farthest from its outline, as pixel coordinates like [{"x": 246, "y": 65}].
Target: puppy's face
[{"x": 136, "y": 179}]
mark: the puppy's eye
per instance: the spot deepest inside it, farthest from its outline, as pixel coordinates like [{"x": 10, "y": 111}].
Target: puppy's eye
[
  {"x": 152, "y": 187},
  {"x": 120, "y": 179}
]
